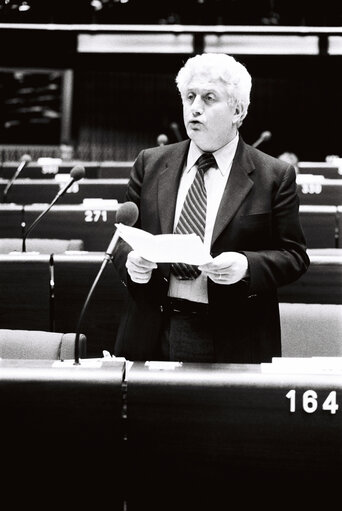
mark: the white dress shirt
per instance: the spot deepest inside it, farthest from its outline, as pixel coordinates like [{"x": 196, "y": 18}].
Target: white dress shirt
[{"x": 215, "y": 180}]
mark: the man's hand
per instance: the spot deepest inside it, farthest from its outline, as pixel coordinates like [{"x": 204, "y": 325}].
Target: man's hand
[
  {"x": 139, "y": 269},
  {"x": 226, "y": 268}
]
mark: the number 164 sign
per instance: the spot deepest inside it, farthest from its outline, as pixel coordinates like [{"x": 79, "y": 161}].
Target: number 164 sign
[{"x": 310, "y": 402}]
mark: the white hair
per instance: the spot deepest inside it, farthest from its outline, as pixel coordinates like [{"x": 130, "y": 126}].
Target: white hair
[{"x": 219, "y": 66}]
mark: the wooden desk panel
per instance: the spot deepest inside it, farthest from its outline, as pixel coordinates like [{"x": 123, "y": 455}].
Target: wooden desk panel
[
  {"x": 325, "y": 192},
  {"x": 94, "y": 225},
  {"x": 25, "y": 297},
  {"x": 24, "y": 292},
  {"x": 225, "y": 431},
  {"x": 61, "y": 431},
  {"x": 11, "y": 217},
  {"x": 74, "y": 277},
  {"x": 31, "y": 191},
  {"x": 93, "y": 169},
  {"x": 320, "y": 226},
  {"x": 322, "y": 283},
  {"x": 326, "y": 169}
]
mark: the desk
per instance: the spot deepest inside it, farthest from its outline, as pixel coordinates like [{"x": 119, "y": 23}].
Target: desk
[
  {"x": 157, "y": 434},
  {"x": 322, "y": 283},
  {"x": 321, "y": 226},
  {"x": 25, "y": 296},
  {"x": 326, "y": 169},
  {"x": 226, "y": 430},
  {"x": 74, "y": 276},
  {"x": 25, "y": 293},
  {"x": 61, "y": 433},
  {"x": 31, "y": 191},
  {"x": 94, "y": 224},
  {"x": 93, "y": 169},
  {"x": 11, "y": 217},
  {"x": 319, "y": 191}
]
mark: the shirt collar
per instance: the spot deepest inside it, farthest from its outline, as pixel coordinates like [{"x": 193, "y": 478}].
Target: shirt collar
[{"x": 223, "y": 156}]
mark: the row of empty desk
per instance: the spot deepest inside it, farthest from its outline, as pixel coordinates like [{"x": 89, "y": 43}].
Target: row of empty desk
[
  {"x": 162, "y": 436},
  {"x": 27, "y": 300},
  {"x": 93, "y": 222},
  {"x": 121, "y": 169},
  {"x": 312, "y": 191}
]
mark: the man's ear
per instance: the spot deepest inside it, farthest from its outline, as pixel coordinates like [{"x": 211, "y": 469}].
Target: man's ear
[{"x": 238, "y": 114}]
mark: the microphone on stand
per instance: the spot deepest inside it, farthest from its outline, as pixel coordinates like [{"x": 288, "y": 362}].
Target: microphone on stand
[
  {"x": 175, "y": 128},
  {"x": 162, "y": 139},
  {"x": 52, "y": 292},
  {"x": 76, "y": 174},
  {"x": 127, "y": 214},
  {"x": 265, "y": 135},
  {"x": 24, "y": 160}
]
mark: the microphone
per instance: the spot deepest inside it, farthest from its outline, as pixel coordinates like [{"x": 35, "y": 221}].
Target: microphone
[
  {"x": 76, "y": 174},
  {"x": 175, "y": 128},
  {"x": 127, "y": 214},
  {"x": 24, "y": 160},
  {"x": 162, "y": 139},
  {"x": 265, "y": 135}
]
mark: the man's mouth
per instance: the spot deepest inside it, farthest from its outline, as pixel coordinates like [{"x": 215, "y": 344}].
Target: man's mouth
[{"x": 194, "y": 123}]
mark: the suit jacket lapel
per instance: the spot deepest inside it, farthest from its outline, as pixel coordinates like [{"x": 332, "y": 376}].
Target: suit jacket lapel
[
  {"x": 238, "y": 185},
  {"x": 168, "y": 186}
]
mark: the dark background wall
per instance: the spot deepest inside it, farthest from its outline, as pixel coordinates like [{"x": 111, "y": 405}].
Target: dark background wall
[{"x": 123, "y": 103}]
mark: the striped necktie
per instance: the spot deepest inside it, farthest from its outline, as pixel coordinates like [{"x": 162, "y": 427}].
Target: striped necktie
[{"x": 193, "y": 215}]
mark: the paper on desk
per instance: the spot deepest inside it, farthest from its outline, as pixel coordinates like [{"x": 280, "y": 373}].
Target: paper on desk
[{"x": 165, "y": 248}]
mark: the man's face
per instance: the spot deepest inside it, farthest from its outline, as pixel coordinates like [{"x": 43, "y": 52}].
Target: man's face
[{"x": 208, "y": 118}]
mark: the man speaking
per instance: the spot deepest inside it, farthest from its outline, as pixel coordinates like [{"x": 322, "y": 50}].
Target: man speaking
[{"x": 241, "y": 202}]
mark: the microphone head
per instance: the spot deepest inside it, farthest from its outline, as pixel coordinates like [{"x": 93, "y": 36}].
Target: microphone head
[
  {"x": 127, "y": 214},
  {"x": 266, "y": 135},
  {"x": 162, "y": 139},
  {"x": 26, "y": 157},
  {"x": 77, "y": 173}
]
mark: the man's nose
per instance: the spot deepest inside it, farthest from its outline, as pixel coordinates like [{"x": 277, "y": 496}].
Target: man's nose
[{"x": 197, "y": 106}]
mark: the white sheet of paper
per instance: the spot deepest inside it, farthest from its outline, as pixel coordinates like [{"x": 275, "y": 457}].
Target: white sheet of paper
[{"x": 165, "y": 248}]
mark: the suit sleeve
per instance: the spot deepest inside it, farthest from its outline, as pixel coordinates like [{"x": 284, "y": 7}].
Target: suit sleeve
[
  {"x": 133, "y": 191},
  {"x": 156, "y": 285},
  {"x": 287, "y": 260}
]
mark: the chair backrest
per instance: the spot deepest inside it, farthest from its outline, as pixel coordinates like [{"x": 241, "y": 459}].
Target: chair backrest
[
  {"x": 311, "y": 329},
  {"x": 41, "y": 245},
  {"x": 38, "y": 344}
]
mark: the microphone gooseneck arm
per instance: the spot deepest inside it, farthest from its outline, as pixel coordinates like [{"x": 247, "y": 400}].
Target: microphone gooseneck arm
[
  {"x": 84, "y": 309},
  {"x": 107, "y": 258},
  {"x": 265, "y": 135},
  {"x": 76, "y": 174},
  {"x": 22, "y": 164},
  {"x": 42, "y": 214},
  {"x": 127, "y": 214}
]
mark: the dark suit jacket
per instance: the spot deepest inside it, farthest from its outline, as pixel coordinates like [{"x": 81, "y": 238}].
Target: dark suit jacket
[{"x": 258, "y": 216}]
